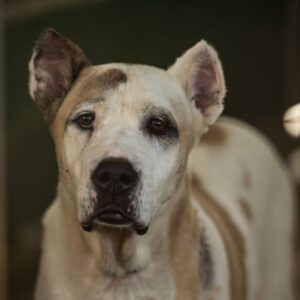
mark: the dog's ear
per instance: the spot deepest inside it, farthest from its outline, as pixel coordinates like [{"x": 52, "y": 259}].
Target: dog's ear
[
  {"x": 199, "y": 71},
  {"x": 55, "y": 64}
]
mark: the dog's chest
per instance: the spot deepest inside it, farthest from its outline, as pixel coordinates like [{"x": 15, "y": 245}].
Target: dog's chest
[{"x": 143, "y": 286}]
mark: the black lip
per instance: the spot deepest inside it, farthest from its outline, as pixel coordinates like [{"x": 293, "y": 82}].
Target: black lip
[{"x": 113, "y": 217}]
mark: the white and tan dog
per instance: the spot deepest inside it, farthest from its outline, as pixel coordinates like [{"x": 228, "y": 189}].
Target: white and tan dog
[{"x": 139, "y": 214}]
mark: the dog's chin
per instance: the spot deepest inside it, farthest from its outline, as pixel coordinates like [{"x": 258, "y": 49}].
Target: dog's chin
[{"x": 113, "y": 219}]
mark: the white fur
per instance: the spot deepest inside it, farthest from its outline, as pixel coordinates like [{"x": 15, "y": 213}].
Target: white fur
[{"x": 269, "y": 196}]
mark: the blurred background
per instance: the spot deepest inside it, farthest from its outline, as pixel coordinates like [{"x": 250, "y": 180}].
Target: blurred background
[{"x": 258, "y": 42}]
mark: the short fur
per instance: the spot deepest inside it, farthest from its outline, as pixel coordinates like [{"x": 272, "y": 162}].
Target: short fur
[{"x": 217, "y": 219}]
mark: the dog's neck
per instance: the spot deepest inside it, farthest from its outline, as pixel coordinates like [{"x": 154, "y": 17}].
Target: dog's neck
[{"x": 120, "y": 252}]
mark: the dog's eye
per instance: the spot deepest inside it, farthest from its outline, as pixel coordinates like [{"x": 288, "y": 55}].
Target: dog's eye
[
  {"x": 85, "y": 121},
  {"x": 158, "y": 125}
]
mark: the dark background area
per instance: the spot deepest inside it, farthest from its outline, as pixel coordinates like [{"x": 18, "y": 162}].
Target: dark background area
[{"x": 259, "y": 45}]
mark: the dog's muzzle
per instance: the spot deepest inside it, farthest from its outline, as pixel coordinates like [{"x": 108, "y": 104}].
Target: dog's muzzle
[{"x": 115, "y": 180}]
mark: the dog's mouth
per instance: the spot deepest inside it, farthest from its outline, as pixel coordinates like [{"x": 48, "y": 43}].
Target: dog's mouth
[{"x": 113, "y": 217}]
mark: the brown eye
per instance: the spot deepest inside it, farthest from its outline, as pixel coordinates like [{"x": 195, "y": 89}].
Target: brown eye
[
  {"x": 158, "y": 125},
  {"x": 85, "y": 121}
]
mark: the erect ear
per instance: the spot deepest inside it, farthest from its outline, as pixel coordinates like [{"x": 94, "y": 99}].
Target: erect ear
[
  {"x": 55, "y": 64},
  {"x": 199, "y": 71}
]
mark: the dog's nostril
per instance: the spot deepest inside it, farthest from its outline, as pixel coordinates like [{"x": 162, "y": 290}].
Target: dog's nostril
[
  {"x": 126, "y": 179},
  {"x": 104, "y": 177}
]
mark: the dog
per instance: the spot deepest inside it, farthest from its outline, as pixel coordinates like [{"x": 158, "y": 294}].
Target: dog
[{"x": 155, "y": 200}]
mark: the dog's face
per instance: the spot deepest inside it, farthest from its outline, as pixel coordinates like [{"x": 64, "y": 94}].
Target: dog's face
[
  {"x": 123, "y": 132},
  {"x": 123, "y": 145}
]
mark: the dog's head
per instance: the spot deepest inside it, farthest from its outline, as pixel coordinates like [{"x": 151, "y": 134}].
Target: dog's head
[{"x": 123, "y": 132}]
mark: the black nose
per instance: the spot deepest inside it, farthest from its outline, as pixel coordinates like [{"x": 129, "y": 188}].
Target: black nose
[{"x": 114, "y": 175}]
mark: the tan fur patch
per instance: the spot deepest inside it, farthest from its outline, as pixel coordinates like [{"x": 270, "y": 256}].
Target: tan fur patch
[
  {"x": 215, "y": 136},
  {"x": 117, "y": 245},
  {"x": 182, "y": 233},
  {"x": 109, "y": 79},
  {"x": 94, "y": 82},
  {"x": 246, "y": 210},
  {"x": 233, "y": 240}
]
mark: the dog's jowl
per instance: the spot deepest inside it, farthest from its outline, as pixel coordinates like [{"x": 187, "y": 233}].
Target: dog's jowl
[{"x": 146, "y": 208}]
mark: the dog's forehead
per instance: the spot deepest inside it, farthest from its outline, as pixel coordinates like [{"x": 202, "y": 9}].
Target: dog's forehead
[{"x": 134, "y": 84}]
